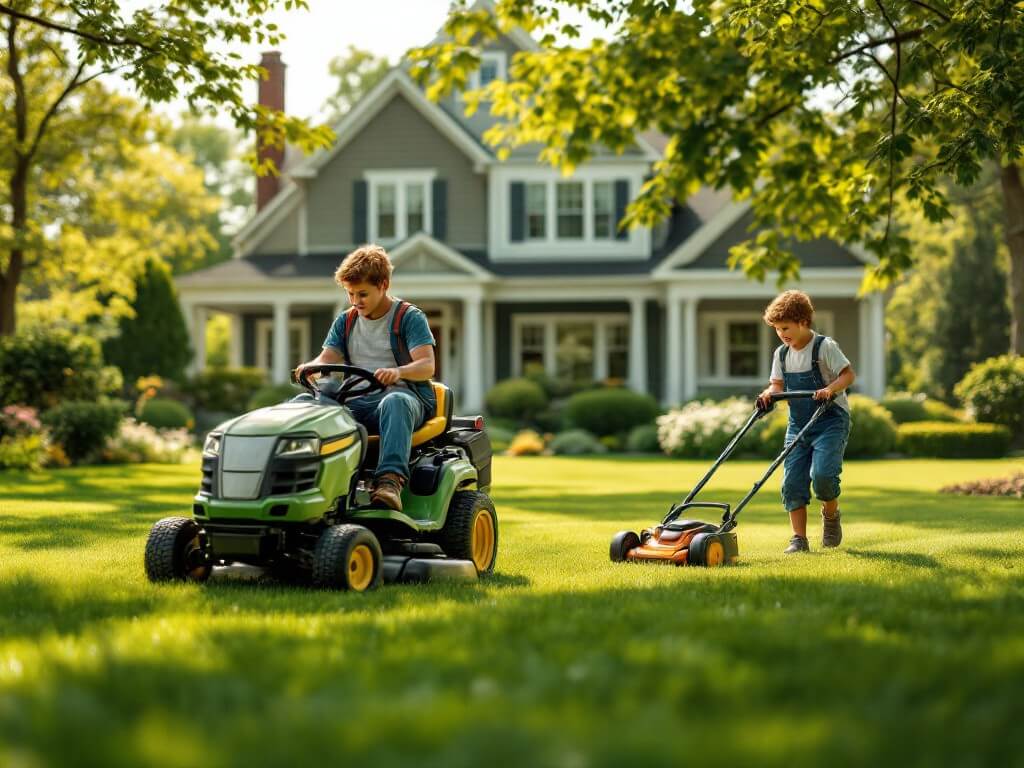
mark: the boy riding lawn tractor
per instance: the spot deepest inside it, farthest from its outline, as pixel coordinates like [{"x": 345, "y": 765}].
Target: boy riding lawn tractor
[{"x": 287, "y": 487}]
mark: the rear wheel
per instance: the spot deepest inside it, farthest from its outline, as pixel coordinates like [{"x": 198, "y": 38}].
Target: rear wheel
[
  {"x": 707, "y": 549},
  {"x": 176, "y": 551},
  {"x": 471, "y": 530},
  {"x": 347, "y": 557},
  {"x": 622, "y": 543}
]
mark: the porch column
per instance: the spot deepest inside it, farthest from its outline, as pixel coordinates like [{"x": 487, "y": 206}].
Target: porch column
[
  {"x": 490, "y": 334},
  {"x": 674, "y": 351},
  {"x": 235, "y": 342},
  {"x": 200, "y": 316},
  {"x": 637, "y": 346},
  {"x": 690, "y": 349},
  {"x": 279, "y": 374},
  {"x": 472, "y": 354}
]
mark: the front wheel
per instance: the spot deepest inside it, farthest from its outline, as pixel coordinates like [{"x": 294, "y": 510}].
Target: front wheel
[
  {"x": 347, "y": 557},
  {"x": 622, "y": 543},
  {"x": 176, "y": 551},
  {"x": 471, "y": 530}
]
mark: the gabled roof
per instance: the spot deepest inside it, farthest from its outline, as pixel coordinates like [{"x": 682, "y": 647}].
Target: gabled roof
[{"x": 422, "y": 244}]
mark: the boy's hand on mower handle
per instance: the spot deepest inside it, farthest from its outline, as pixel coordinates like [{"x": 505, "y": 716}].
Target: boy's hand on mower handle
[
  {"x": 824, "y": 394},
  {"x": 764, "y": 400}
]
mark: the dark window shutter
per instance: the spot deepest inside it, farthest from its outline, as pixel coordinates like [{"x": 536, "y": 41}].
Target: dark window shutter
[
  {"x": 360, "y": 212},
  {"x": 439, "y": 201},
  {"x": 621, "y": 201},
  {"x": 517, "y": 211}
]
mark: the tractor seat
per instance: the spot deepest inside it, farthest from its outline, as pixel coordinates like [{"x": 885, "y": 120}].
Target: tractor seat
[{"x": 437, "y": 424}]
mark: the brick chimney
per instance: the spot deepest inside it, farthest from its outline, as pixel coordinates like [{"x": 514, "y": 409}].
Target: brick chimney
[{"x": 272, "y": 97}]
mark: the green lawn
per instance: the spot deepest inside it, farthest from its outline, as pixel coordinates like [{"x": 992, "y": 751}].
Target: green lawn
[{"x": 905, "y": 647}]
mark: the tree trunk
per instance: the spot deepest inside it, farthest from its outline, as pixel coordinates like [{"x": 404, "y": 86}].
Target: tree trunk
[
  {"x": 1013, "y": 206},
  {"x": 18, "y": 188}
]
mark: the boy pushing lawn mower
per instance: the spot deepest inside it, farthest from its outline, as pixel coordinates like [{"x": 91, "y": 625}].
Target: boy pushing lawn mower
[{"x": 807, "y": 360}]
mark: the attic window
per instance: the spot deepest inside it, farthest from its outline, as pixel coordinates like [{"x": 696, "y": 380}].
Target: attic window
[{"x": 493, "y": 66}]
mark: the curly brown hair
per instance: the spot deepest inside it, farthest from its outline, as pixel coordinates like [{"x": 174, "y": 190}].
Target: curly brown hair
[
  {"x": 791, "y": 306},
  {"x": 366, "y": 264}
]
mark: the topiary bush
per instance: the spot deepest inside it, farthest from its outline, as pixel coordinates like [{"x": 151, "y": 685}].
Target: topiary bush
[
  {"x": 643, "y": 439},
  {"x": 42, "y": 367},
  {"x": 907, "y": 407},
  {"x": 610, "y": 411},
  {"x": 273, "y": 395},
  {"x": 81, "y": 429},
  {"x": 164, "y": 413},
  {"x": 576, "y": 442},
  {"x": 993, "y": 391},
  {"x": 519, "y": 399},
  {"x": 953, "y": 441},
  {"x": 224, "y": 389},
  {"x": 873, "y": 430}
]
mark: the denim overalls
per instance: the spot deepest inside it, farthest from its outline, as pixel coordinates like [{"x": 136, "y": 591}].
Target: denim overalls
[{"x": 818, "y": 459}]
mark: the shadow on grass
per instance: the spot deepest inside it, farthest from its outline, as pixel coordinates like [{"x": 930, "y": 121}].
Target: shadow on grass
[
  {"x": 900, "y": 558},
  {"x": 785, "y": 671}
]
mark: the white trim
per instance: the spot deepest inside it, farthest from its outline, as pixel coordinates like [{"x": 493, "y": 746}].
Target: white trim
[
  {"x": 424, "y": 242},
  {"x": 303, "y": 225},
  {"x": 549, "y": 321},
  {"x": 264, "y": 324},
  {"x": 260, "y": 226},
  {"x": 397, "y": 81},
  {"x": 400, "y": 179},
  {"x": 636, "y": 247}
]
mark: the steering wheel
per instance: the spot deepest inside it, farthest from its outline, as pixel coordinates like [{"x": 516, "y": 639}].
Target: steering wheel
[{"x": 358, "y": 381}]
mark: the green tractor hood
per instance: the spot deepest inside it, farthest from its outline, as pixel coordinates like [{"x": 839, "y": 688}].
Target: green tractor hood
[{"x": 291, "y": 418}]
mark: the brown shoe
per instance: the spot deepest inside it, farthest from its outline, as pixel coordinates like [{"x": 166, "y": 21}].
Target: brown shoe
[
  {"x": 831, "y": 530},
  {"x": 387, "y": 490}
]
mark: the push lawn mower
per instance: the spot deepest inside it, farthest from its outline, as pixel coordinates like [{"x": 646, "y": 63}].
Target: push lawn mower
[
  {"x": 691, "y": 542},
  {"x": 287, "y": 488}
]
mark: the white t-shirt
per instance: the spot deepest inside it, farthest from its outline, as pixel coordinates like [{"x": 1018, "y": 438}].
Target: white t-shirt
[{"x": 831, "y": 361}]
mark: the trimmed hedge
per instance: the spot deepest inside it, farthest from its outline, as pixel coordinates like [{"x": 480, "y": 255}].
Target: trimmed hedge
[
  {"x": 872, "y": 430},
  {"x": 906, "y": 407},
  {"x": 519, "y": 399},
  {"x": 610, "y": 411},
  {"x": 953, "y": 441},
  {"x": 164, "y": 413},
  {"x": 643, "y": 439},
  {"x": 575, "y": 442},
  {"x": 273, "y": 395},
  {"x": 993, "y": 391},
  {"x": 82, "y": 428}
]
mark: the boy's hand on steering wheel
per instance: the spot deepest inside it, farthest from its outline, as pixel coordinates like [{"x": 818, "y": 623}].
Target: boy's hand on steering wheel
[{"x": 387, "y": 376}]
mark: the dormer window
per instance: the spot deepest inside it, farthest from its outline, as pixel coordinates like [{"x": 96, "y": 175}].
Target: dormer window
[
  {"x": 399, "y": 204},
  {"x": 493, "y": 66}
]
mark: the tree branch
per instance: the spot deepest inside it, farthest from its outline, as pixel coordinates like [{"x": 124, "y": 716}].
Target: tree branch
[
  {"x": 52, "y": 109},
  {"x": 933, "y": 9},
  {"x": 109, "y": 41},
  {"x": 892, "y": 113},
  {"x": 897, "y": 38}
]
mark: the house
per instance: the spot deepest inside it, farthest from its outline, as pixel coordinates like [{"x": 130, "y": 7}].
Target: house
[{"x": 515, "y": 265}]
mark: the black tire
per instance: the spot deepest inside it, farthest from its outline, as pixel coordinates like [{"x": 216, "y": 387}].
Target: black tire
[
  {"x": 457, "y": 537},
  {"x": 706, "y": 549},
  {"x": 175, "y": 551},
  {"x": 340, "y": 559},
  {"x": 622, "y": 543}
]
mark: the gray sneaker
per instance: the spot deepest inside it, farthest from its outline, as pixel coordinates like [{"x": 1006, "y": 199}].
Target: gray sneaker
[
  {"x": 831, "y": 531},
  {"x": 797, "y": 544}
]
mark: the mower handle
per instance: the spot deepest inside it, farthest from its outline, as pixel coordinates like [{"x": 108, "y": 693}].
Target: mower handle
[{"x": 794, "y": 394}]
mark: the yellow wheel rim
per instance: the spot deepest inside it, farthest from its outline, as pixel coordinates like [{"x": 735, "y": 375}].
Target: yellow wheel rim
[
  {"x": 715, "y": 553},
  {"x": 360, "y": 568},
  {"x": 482, "y": 542}
]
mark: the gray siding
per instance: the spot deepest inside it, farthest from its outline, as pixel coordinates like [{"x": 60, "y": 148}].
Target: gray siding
[
  {"x": 284, "y": 238},
  {"x": 397, "y": 137}
]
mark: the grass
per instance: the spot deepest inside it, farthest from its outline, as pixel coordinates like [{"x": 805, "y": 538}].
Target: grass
[{"x": 906, "y": 646}]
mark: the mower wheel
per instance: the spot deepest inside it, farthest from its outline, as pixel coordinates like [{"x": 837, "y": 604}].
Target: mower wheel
[
  {"x": 706, "y": 549},
  {"x": 470, "y": 530},
  {"x": 622, "y": 543},
  {"x": 176, "y": 551},
  {"x": 347, "y": 557}
]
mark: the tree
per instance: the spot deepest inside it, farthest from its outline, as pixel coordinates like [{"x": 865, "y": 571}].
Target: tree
[
  {"x": 825, "y": 114},
  {"x": 357, "y": 72},
  {"x": 55, "y": 50},
  {"x": 154, "y": 340}
]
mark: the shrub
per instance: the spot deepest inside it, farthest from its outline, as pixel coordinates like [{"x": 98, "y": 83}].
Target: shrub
[
  {"x": 519, "y": 399},
  {"x": 937, "y": 410},
  {"x": 702, "y": 428},
  {"x": 574, "y": 442},
  {"x": 612, "y": 442},
  {"x": 500, "y": 437},
  {"x": 772, "y": 436},
  {"x": 993, "y": 391},
  {"x": 81, "y": 429},
  {"x": 643, "y": 439},
  {"x": 18, "y": 421},
  {"x": 23, "y": 451},
  {"x": 136, "y": 443},
  {"x": 163, "y": 413},
  {"x": 907, "y": 407},
  {"x": 273, "y": 395},
  {"x": 41, "y": 367},
  {"x": 224, "y": 389},
  {"x": 610, "y": 411},
  {"x": 526, "y": 443},
  {"x": 509, "y": 425},
  {"x": 953, "y": 441},
  {"x": 872, "y": 432}
]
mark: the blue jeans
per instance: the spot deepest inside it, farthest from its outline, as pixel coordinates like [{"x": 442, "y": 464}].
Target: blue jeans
[
  {"x": 394, "y": 416},
  {"x": 817, "y": 461}
]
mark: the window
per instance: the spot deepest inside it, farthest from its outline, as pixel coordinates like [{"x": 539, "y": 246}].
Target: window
[
  {"x": 744, "y": 349},
  {"x": 492, "y": 67},
  {"x": 571, "y": 347},
  {"x": 298, "y": 342},
  {"x": 604, "y": 210},
  {"x": 618, "y": 351},
  {"x": 531, "y": 354},
  {"x": 574, "y": 351},
  {"x": 400, "y": 204},
  {"x": 569, "y": 197},
  {"x": 536, "y": 211}
]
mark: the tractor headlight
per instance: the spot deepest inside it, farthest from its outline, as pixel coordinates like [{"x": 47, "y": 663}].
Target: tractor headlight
[
  {"x": 293, "y": 447},
  {"x": 212, "y": 445}
]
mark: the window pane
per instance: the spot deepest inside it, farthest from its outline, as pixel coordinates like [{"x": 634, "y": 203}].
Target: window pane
[
  {"x": 604, "y": 210},
  {"x": 744, "y": 334},
  {"x": 536, "y": 210},
  {"x": 574, "y": 354},
  {"x": 386, "y": 205},
  {"x": 414, "y": 207},
  {"x": 532, "y": 337},
  {"x": 742, "y": 362},
  {"x": 488, "y": 71},
  {"x": 569, "y": 200},
  {"x": 618, "y": 364},
  {"x": 712, "y": 351},
  {"x": 744, "y": 349}
]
